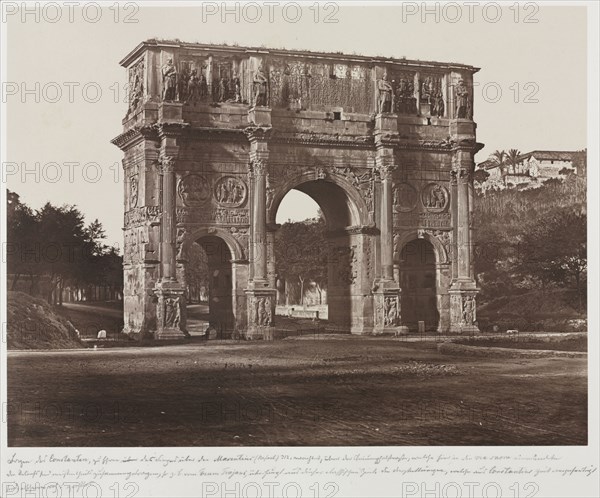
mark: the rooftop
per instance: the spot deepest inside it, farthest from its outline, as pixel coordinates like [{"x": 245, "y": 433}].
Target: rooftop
[
  {"x": 549, "y": 155},
  {"x": 543, "y": 155},
  {"x": 338, "y": 56}
]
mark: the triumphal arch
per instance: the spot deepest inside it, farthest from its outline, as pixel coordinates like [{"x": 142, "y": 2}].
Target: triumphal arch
[{"x": 215, "y": 136}]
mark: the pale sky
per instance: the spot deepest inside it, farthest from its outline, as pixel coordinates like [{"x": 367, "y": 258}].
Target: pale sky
[{"x": 546, "y": 61}]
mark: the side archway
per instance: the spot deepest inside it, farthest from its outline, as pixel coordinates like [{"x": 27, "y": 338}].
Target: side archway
[
  {"x": 441, "y": 251},
  {"x": 227, "y": 280},
  {"x": 238, "y": 252}
]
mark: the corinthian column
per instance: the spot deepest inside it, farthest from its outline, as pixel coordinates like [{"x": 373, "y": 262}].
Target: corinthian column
[
  {"x": 463, "y": 290},
  {"x": 462, "y": 174},
  {"x": 170, "y": 306},
  {"x": 259, "y": 220},
  {"x": 168, "y": 219},
  {"x": 387, "y": 225}
]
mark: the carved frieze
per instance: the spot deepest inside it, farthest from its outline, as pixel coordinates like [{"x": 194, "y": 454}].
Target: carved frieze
[
  {"x": 226, "y": 216},
  {"x": 444, "y": 236},
  {"x": 468, "y": 310},
  {"x": 133, "y": 191},
  {"x": 391, "y": 311},
  {"x": 260, "y": 311},
  {"x": 136, "y": 85},
  {"x": 404, "y": 197},
  {"x": 431, "y": 94},
  {"x": 405, "y": 101},
  {"x": 368, "y": 257},
  {"x": 242, "y": 235},
  {"x": 142, "y": 215},
  {"x": 434, "y": 197},
  {"x": 463, "y": 309},
  {"x": 362, "y": 179},
  {"x": 182, "y": 244},
  {"x": 193, "y": 190},
  {"x": 423, "y": 220},
  {"x": 269, "y": 192},
  {"x": 230, "y": 191},
  {"x": 172, "y": 312},
  {"x": 305, "y": 85},
  {"x": 345, "y": 261}
]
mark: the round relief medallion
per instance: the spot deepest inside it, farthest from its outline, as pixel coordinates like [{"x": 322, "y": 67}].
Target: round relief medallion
[
  {"x": 434, "y": 197},
  {"x": 405, "y": 197},
  {"x": 193, "y": 190},
  {"x": 230, "y": 191}
]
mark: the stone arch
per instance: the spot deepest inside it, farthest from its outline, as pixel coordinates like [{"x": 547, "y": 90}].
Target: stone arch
[
  {"x": 238, "y": 252},
  {"x": 441, "y": 255},
  {"x": 359, "y": 212}
]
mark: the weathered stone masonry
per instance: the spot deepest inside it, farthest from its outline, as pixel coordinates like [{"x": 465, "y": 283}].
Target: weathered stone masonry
[{"x": 215, "y": 136}]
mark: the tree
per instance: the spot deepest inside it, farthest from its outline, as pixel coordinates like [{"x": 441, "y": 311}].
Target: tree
[
  {"x": 480, "y": 176},
  {"x": 554, "y": 249},
  {"x": 54, "y": 242},
  {"x": 301, "y": 254},
  {"x": 22, "y": 233},
  {"x": 512, "y": 158},
  {"x": 196, "y": 272},
  {"x": 63, "y": 244},
  {"x": 498, "y": 157}
]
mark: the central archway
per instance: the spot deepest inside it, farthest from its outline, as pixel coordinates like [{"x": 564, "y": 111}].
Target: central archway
[{"x": 345, "y": 245}]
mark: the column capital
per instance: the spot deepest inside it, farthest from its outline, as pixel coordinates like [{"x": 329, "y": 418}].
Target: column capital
[
  {"x": 167, "y": 163},
  {"x": 460, "y": 174},
  {"x": 258, "y": 133},
  {"x": 385, "y": 170},
  {"x": 258, "y": 167}
]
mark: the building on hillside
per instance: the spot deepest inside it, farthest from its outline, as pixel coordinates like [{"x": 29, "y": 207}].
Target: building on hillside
[{"x": 530, "y": 170}]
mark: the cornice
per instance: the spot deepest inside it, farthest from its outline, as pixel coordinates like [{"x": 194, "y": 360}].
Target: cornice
[
  {"x": 353, "y": 141},
  {"x": 414, "y": 64}
]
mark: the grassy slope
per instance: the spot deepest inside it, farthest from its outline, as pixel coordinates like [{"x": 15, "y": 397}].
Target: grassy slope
[
  {"x": 34, "y": 324},
  {"x": 500, "y": 220}
]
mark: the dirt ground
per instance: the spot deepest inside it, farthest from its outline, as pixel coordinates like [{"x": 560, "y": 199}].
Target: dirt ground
[{"x": 317, "y": 391}]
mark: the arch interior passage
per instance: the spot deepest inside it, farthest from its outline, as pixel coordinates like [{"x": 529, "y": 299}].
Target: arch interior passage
[
  {"x": 418, "y": 283},
  {"x": 340, "y": 247}
]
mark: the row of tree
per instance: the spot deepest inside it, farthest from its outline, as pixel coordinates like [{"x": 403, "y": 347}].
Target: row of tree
[
  {"x": 532, "y": 239},
  {"x": 54, "y": 245},
  {"x": 301, "y": 259}
]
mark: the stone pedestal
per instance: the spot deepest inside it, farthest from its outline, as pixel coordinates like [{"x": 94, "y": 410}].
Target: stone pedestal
[
  {"x": 462, "y": 128},
  {"x": 386, "y": 122},
  {"x": 170, "y": 310},
  {"x": 260, "y": 116},
  {"x": 463, "y": 313},
  {"x": 261, "y": 313},
  {"x": 170, "y": 112},
  {"x": 387, "y": 313}
]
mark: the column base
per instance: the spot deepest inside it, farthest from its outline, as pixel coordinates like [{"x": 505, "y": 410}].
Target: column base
[
  {"x": 463, "y": 329},
  {"x": 463, "y": 309},
  {"x": 261, "y": 312},
  {"x": 386, "y": 309},
  {"x": 170, "y": 311}
]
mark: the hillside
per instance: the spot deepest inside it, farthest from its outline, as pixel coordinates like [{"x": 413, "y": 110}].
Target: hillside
[
  {"x": 530, "y": 256},
  {"x": 33, "y": 324}
]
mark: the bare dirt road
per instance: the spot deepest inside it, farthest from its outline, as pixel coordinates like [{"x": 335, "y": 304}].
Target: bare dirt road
[{"x": 322, "y": 390}]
